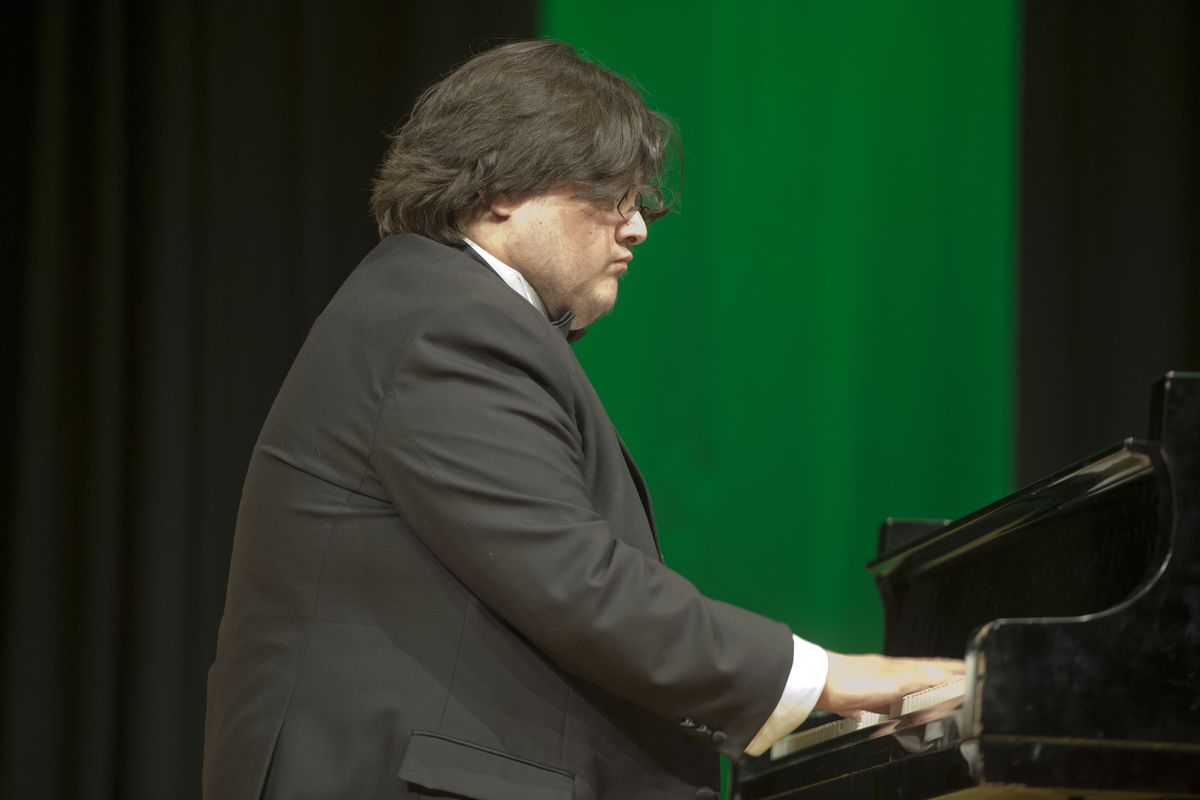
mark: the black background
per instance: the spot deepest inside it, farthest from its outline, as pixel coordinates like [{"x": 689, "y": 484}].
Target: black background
[
  {"x": 186, "y": 186},
  {"x": 1109, "y": 221}
]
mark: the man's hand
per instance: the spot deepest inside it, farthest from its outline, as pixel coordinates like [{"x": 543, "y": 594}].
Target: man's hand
[{"x": 873, "y": 683}]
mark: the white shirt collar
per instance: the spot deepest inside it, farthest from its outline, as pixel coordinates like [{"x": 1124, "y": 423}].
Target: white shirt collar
[{"x": 514, "y": 279}]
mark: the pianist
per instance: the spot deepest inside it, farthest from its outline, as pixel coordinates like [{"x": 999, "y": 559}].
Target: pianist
[{"x": 446, "y": 579}]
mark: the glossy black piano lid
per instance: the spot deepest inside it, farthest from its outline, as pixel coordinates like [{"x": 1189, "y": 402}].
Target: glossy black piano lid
[{"x": 1076, "y": 543}]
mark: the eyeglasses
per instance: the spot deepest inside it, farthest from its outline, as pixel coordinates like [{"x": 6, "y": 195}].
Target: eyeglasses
[{"x": 632, "y": 204}]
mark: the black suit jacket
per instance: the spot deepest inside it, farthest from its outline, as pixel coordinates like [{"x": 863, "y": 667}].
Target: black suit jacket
[{"x": 446, "y": 577}]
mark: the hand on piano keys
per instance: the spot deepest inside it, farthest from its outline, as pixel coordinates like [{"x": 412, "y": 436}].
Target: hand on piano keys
[
  {"x": 871, "y": 690},
  {"x": 902, "y": 712},
  {"x": 872, "y": 683}
]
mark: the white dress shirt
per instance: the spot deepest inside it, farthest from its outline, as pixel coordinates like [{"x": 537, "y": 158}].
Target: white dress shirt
[
  {"x": 810, "y": 663},
  {"x": 514, "y": 279}
]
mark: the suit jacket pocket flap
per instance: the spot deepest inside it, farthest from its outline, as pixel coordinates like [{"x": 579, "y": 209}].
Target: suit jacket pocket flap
[{"x": 450, "y": 765}]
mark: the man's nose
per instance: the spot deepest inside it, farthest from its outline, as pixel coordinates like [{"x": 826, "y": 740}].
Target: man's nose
[{"x": 633, "y": 230}]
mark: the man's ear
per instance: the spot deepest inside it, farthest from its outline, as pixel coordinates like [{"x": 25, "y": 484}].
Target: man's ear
[{"x": 501, "y": 207}]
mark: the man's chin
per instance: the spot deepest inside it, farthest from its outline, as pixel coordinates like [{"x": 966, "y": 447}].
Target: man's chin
[{"x": 595, "y": 312}]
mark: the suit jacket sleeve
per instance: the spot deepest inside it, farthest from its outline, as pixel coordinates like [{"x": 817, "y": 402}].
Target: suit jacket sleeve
[{"x": 478, "y": 447}]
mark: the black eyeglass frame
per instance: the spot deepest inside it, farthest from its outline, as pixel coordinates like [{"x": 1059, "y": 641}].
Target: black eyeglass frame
[{"x": 637, "y": 207}]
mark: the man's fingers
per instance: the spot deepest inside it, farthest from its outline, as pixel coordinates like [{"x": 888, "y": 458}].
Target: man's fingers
[
  {"x": 872, "y": 681},
  {"x": 950, "y": 666},
  {"x": 939, "y": 671}
]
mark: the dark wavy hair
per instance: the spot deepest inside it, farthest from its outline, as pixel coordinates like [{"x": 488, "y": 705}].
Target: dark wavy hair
[{"x": 516, "y": 121}]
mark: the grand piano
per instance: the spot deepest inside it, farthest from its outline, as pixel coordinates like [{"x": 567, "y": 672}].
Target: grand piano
[{"x": 1076, "y": 602}]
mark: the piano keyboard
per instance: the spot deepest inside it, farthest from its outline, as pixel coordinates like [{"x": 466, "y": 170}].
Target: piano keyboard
[
  {"x": 802, "y": 740},
  {"x": 928, "y": 698},
  {"x": 909, "y": 704}
]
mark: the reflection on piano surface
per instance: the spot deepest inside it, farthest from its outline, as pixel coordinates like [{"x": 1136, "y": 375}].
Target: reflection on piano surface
[{"x": 1077, "y": 604}]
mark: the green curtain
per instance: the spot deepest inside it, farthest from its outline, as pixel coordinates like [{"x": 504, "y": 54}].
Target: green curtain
[{"x": 822, "y": 335}]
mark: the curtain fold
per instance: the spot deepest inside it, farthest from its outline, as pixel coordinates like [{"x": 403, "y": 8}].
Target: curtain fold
[
  {"x": 187, "y": 186},
  {"x": 1110, "y": 200}
]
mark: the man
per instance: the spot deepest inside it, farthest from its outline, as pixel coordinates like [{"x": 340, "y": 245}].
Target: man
[{"x": 446, "y": 579}]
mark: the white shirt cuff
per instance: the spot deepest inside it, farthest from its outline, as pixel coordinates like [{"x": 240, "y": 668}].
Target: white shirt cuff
[{"x": 806, "y": 681}]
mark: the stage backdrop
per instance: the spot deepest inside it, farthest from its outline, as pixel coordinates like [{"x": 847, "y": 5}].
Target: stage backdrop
[{"x": 823, "y": 335}]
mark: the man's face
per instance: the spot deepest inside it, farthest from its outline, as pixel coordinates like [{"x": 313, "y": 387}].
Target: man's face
[{"x": 573, "y": 251}]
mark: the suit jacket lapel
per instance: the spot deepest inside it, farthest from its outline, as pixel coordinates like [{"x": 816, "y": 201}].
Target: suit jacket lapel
[
  {"x": 642, "y": 491},
  {"x": 563, "y": 326}
]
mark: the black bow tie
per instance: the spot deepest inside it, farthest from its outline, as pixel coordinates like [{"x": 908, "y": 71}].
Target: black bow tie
[{"x": 563, "y": 326}]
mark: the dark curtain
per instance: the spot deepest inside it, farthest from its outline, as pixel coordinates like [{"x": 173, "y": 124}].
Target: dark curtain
[
  {"x": 186, "y": 184},
  {"x": 1109, "y": 274}
]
